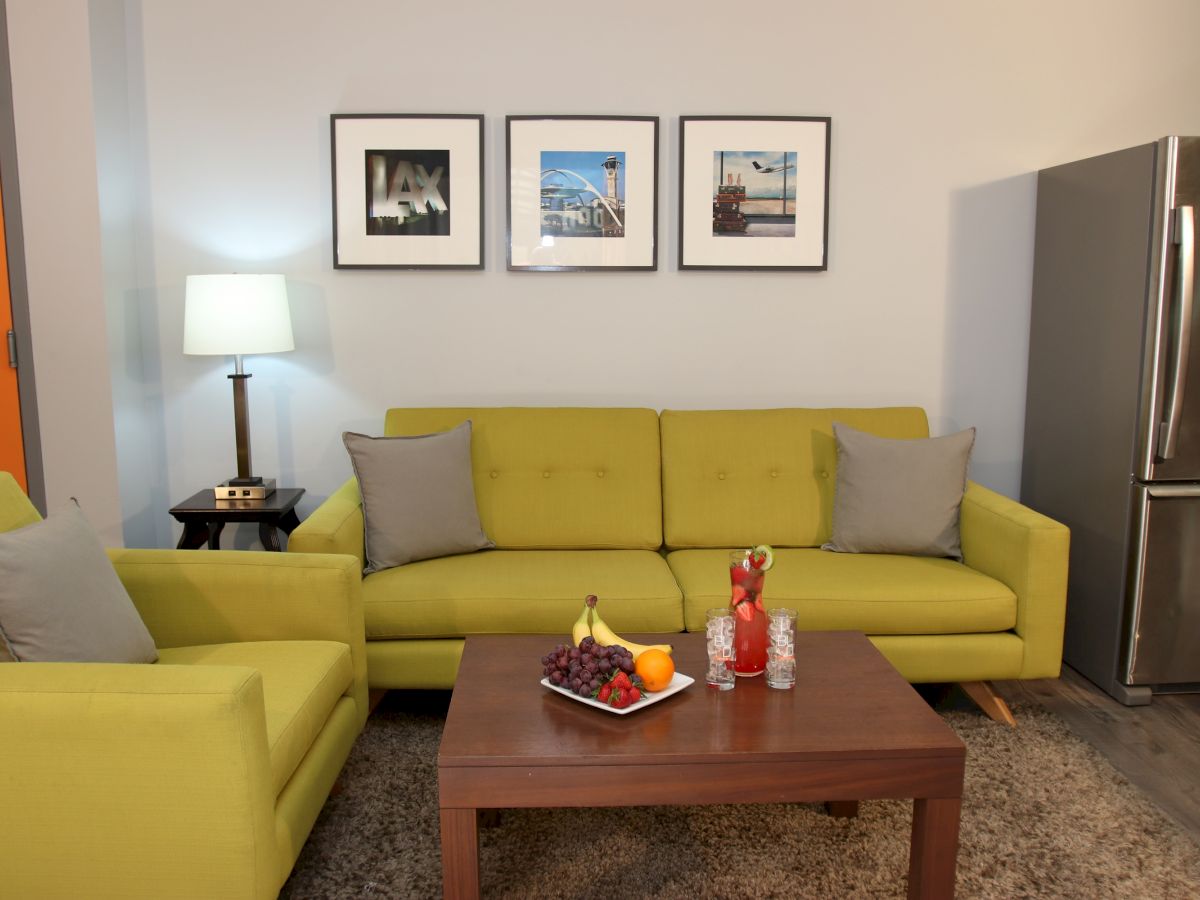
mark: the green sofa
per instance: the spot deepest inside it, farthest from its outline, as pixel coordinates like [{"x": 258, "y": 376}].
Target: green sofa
[
  {"x": 640, "y": 508},
  {"x": 200, "y": 775}
]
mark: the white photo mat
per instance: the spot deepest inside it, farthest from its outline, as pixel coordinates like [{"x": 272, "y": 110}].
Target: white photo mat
[
  {"x": 528, "y": 138},
  {"x": 701, "y": 138},
  {"x": 352, "y": 135}
]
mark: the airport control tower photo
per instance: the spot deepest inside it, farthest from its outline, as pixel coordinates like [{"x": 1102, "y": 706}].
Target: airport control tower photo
[
  {"x": 573, "y": 204},
  {"x": 609, "y": 227}
]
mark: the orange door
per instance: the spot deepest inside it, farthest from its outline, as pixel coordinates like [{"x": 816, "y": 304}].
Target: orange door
[{"x": 12, "y": 447}]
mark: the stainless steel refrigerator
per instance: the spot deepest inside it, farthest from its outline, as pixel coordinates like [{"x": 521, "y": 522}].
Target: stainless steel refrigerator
[{"x": 1112, "y": 420}]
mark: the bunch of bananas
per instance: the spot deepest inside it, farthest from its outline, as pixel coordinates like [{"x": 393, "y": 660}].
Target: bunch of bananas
[{"x": 603, "y": 635}]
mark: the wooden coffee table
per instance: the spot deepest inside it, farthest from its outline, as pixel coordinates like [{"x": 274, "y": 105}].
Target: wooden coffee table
[{"x": 853, "y": 729}]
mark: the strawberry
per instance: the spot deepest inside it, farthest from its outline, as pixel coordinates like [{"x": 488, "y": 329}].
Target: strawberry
[
  {"x": 758, "y": 604},
  {"x": 633, "y": 694},
  {"x": 618, "y": 699},
  {"x": 621, "y": 680},
  {"x": 745, "y": 611},
  {"x": 739, "y": 593},
  {"x": 605, "y": 692},
  {"x": 762, "y": 557}
]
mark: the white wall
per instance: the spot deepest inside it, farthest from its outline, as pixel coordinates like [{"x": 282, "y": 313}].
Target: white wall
[
  {"x": 128, "y": 283},
  {"x": 52, "y": 113},
  {"x": 942, "y": 113}
]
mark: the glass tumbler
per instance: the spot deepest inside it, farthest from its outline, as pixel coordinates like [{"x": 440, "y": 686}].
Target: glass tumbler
[
  {"x": 719, "y": 631},
  {"x": 781, "y": 648}
]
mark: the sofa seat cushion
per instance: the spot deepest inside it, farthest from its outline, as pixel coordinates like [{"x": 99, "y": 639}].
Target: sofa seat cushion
[
  {"x": 302, "y": 681},
  {"x": 521, "y": 591},
  {"x": 872, "y": 593}
]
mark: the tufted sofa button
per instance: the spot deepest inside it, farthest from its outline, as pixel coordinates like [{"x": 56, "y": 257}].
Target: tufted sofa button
[
  {"x": 774, "y": 474},
  {"x": 721, "y": 475},
  {"x": 545, "y": 474},
  {"x": 600, "y": 473},
  {"x": 495, "y": 474},
  {"x": 824, "y": 474}
]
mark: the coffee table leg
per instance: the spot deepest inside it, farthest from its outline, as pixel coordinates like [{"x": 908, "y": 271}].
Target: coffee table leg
[
  {"x": 460, "y": 854},
  {"x": 934, "y": 851}
]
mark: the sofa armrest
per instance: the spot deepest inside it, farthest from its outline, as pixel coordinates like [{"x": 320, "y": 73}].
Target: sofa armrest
[
  {"x": 336, "y": 526},
  {"x": 190, "y": 597},
  {"x": 1028, "y": 552},
  {"x": 135, "y": 781}
]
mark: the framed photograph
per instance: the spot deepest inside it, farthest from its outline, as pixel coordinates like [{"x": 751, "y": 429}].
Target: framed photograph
[
  {"x": 407, "y": 191},
  {"x": 754, "y": 192},
  {"x": 582, "y": 192}
]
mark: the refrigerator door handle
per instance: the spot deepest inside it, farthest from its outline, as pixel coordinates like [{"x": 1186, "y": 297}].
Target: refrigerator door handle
[
  {"x": 1185, "y": 237},
  {"x": 1169, "y": 490}
]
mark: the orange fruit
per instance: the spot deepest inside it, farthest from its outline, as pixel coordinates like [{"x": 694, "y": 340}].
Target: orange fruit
[{"x": 655, "y": 668}]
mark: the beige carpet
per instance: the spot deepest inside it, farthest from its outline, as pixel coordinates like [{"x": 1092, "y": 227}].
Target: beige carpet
[{"x": 1043, "y": 816}]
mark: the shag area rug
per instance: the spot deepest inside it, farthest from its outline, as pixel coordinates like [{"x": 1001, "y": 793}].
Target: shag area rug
[{"x": 1044, "y": 815}]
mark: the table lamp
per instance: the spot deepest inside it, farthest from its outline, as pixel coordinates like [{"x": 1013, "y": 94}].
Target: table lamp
[{"x": 238, "y": 315}]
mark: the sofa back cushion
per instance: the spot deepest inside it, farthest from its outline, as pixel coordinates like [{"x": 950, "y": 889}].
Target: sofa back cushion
[
  {"x": 735, "y": 478},
  {"x": 557, "y": 478}
]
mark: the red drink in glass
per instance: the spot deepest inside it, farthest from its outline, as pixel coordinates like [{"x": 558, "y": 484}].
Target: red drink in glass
[{"x": 749, "y": 615}]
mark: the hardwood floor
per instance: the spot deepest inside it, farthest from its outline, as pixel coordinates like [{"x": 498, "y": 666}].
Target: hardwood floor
[{"x": 1157, "y": 747}]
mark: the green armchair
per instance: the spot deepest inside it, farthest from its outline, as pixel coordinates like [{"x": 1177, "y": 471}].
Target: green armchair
[{"x": 200, "y": 775}]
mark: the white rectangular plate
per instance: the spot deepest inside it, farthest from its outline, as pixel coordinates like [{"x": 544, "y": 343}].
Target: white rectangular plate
[{"x": 678, "y": 683}]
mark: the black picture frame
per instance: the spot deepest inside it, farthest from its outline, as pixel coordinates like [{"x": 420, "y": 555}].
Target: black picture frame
[
  {"x": 717, "y": 229},
  {"x": 551, "y": 225},
  {"x": 391, "y": 158}
]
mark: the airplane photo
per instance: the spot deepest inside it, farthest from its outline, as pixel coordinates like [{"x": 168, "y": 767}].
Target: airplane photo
[{"x": 761, "y": 170}]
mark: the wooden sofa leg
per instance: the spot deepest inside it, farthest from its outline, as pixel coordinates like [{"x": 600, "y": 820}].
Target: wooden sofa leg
[{"x": 989, "y": 701}]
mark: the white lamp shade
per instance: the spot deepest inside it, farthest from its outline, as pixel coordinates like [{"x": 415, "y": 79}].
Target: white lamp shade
[{"x": 236, "y": 315}]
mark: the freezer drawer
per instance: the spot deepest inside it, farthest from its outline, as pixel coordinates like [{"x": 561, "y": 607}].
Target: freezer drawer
[{"x": 1163, "y": 640}]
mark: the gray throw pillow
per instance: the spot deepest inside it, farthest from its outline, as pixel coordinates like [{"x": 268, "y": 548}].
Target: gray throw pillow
[
  {"x": 899, "y": 496},
  {"x": 61, "y": 599},
  {"x": 418, "y": 496}
]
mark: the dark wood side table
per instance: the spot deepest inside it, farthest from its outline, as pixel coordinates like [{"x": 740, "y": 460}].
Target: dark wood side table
[{"x": 203, "y": 517}]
